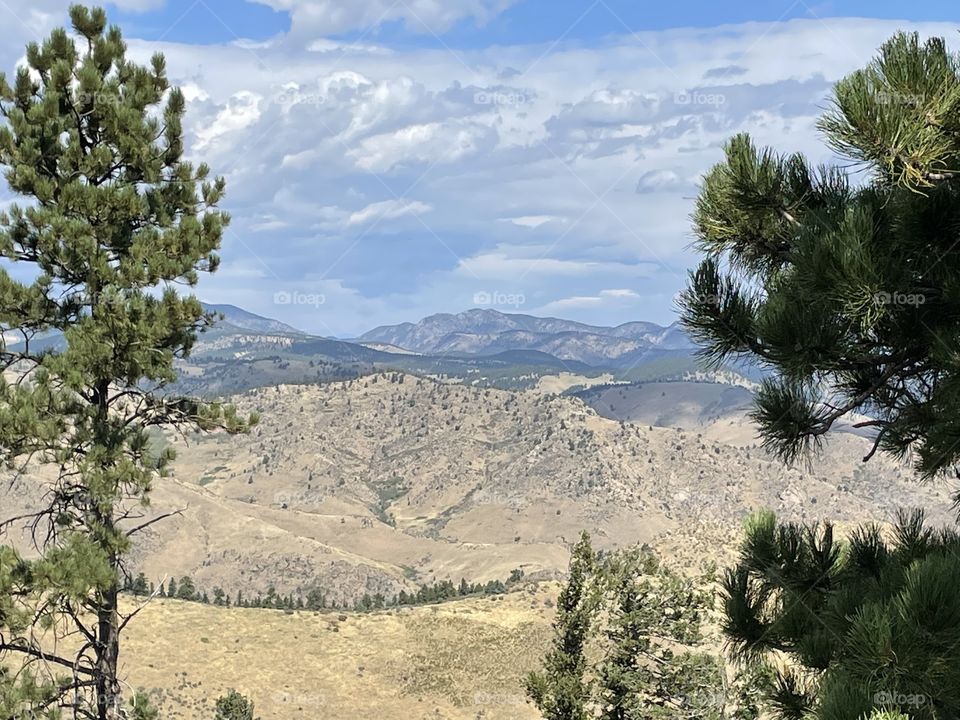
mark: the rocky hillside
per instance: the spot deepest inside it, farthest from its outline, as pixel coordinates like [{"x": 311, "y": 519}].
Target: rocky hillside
[{"x": 389, "y": 481}]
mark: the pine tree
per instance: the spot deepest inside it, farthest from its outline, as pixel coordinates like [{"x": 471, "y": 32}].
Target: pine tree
[
  {"x": 869, "y": 626},
  {"x": 140, "y": 586},
  {"x": 629, "y": 644},
  {"x": 560, "y": 690},
  {"x": 113, "y": 220},
  {"x": 234, "y": 706},
  {"x": 652, "y": 667},
  {"x": 186, "y": 590},
  {"x": 846, "y": 286}
]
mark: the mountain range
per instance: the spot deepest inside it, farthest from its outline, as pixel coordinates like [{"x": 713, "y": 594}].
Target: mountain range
[
  {"x": 485, "y": 347},
  {"x": 487, "y": 331}
]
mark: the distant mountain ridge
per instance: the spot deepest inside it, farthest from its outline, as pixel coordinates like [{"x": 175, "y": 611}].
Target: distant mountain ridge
[
  {"x": 486, "y": 331},
  {"x": 244, "y": 350},
  {"x": 245, "y": 320}
]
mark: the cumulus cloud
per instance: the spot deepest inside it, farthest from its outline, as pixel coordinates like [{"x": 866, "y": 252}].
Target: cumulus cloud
[
  {"x": 241, "y": 111},
  {"x": 581, "y": 189},
  {"x": 401, "y": 180},
  {"x": 424, "y": 143}
]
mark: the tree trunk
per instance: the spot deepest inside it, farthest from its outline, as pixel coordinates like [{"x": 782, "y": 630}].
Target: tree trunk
[
  {"x": 108, "y": 654},
  {"x": 108, "y": 615}
]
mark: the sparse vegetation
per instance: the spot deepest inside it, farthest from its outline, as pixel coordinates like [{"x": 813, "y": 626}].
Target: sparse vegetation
[{"x": 315, "y": 599}]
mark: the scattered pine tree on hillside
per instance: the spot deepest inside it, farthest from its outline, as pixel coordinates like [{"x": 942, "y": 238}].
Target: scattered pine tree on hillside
[
  {"x": 234, "y": 706},
  {"x": 629, "y": 645}
]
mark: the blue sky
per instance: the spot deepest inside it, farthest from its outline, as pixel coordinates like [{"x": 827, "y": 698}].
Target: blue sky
[
  {"x": 390, "y": 159},
  {"x": 529, "y": 21}
]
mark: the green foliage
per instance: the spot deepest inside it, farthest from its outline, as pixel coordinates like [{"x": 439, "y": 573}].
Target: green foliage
[
  {"x": 112, "y": 220},
  {"x": 629, "y": 645},
  {"x": 186, "y": 590},
  {"x": 869, "y": 625},
  {"x": 652, "y": 664},
  {"x": 234, "y": 706},
  {"x": 141, "y": 709},
  {"x": 437, "y": 592},
  {"x": 847, "y": 287},
  {"x": 560, "y": 691}
]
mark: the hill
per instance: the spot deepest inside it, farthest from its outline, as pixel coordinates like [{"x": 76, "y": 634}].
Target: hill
[
  {"x": 687, "y": 405},
  {"x": 391, "y": 481}
]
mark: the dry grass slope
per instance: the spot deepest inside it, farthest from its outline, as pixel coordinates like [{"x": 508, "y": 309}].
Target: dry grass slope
[{"x": 461, "y": 660}]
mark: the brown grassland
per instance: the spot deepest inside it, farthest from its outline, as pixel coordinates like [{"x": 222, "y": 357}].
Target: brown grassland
[{"x": 459, "y": 660}]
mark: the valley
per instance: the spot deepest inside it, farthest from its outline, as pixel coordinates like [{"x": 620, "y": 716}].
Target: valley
[{"x": 387, "y": 481}]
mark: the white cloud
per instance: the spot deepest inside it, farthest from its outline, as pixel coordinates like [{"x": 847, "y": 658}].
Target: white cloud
[
  {"x": 323, "y": 45},
  {"x": 532, "y": 221},
  {"x": 502, "y": 266},
  {"x": 564, "y": 173},
  {"x": 427, "y": 143},
  {"x": 621, "y": 293},
  {"x": 586, "y": 302},
  {"x": 387, "y": 210},
  {"x": 241, "y": 111}
]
